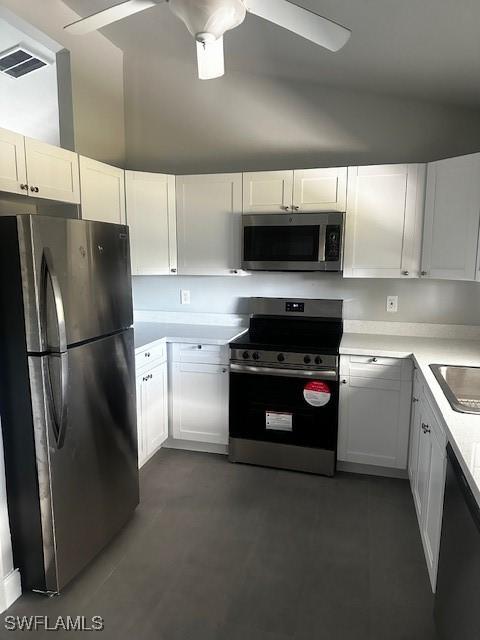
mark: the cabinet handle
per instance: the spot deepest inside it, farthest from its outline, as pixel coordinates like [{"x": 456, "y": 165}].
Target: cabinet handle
[
  {"x": 296, "y": 208},
  {"x": 374, "y": 359},
  {"x": 199, "y": 346},
  {"x": 34, "y": 189},
  {"x": 424, "y": 273},
  {"x": 234, "y": 271},
  {"x": 287, "y": 208},
  {"x": 224, "y": 370},
  {"x": 173, "y": 270},
  {"x": 425, "y": 428},
  {"x": 405, "y": 273},
  {"x": 147, "y": 354},
  {"x": 24, "y": 187},
  {"x": 344, "y": 381},
  {"x": 414, "y": 399}
]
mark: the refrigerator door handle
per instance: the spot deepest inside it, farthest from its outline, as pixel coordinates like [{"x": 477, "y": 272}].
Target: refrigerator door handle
[
  {"x": 59, "y": 423},
  {"x": 49, "y": 273}
]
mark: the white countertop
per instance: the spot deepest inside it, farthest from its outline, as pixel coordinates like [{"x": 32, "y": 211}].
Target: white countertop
[
  {"x": 147, "y": 333},
  {"x": 462, "y": 429}
]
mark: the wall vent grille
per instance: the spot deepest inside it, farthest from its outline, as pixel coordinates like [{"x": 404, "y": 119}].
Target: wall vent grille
[{"x": 18, "y": 61}]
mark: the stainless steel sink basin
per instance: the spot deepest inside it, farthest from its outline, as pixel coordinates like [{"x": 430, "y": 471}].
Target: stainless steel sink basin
[{"x": 461, "y": 386}]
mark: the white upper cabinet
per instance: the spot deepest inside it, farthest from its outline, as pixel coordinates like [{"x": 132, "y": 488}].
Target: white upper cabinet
[
  {"x": 319, "y": 190},
  {"x": 452, "y": 208},
  {"x": 103, "y": 191},
  {"x": 13, "y": 171},
  {"x": 150, "y": 201},
  {"x": 209, "y": 224},
  {"x": 267, "y": 191},
  {"x": 384, "y": 221},
  {"x": 52, "y": 172}
]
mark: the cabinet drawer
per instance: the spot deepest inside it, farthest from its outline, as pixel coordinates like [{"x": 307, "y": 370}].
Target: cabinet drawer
[
  {"x": 200, "y": 353},
  {"x": 154, "y": 353},
  {"x": 373, "y": 367}
]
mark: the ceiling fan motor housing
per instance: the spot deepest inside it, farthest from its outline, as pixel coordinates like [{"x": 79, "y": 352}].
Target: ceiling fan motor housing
[{"x": 209, "y": 19}]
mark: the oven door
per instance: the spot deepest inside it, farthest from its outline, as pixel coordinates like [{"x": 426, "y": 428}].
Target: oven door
[
  {"x": 298, "y": 242},
  {"x": 285, "y": 408}
]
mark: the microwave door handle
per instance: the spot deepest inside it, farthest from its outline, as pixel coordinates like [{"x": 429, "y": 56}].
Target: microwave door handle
[{"x": 322, "y": 234}]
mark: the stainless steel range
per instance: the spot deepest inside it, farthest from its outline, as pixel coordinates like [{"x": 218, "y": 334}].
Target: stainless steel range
[{"x": 284, "y": 385}]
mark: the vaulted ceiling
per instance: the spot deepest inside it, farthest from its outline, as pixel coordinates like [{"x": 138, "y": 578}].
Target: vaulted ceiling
[{"x": 284, "y": 95}]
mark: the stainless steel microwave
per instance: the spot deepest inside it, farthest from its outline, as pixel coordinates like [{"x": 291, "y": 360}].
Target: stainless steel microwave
[{"x": 293, "y": 242}]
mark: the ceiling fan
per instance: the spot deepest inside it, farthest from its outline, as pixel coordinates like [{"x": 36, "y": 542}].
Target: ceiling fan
[{"x": 208, "y": 20}]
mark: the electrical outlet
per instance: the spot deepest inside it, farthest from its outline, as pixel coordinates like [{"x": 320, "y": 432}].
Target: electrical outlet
[
  {"x": 184, "y": 296},
  {"x": 392, "y": 304}
]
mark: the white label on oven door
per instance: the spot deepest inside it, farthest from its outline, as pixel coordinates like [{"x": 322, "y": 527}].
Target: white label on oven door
[{"x": 278, "y": 421}]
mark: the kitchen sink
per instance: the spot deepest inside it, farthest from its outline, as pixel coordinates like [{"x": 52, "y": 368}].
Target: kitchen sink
[{"x": 461, "y": 386}]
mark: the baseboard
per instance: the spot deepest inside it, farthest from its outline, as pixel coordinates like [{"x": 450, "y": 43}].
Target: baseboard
[
  {"x": 11, "y": 589},
  {"x": 187, "y": 445},
  {"x": 371, "y": 470}
]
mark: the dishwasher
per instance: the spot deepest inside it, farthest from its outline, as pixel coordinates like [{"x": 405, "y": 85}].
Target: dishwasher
[{"x": 457, "y": 598}]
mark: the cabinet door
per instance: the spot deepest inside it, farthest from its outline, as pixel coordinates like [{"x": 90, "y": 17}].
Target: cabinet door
[
  {"x": 151, "y": 217},
  {"x": 209, "y": 223},
  {"x": 142, "y": 453},
  {"x": 267, "y": 191},
  {"x": 374, "y": 421},
  {"x": 53, "y": 171},
  {"x": 384, "y": 221},
  {"x": 155, "y": 405},
  {"x": 200, "y": 402},
  {"x": 415, "y": 423},
  {"x": 320, "y": 189},
  {"x": 452, "y": 207},
  {"x": 103, "y": 191},
  {"x": 13, "y": 173},
  {"x": 432, "y": 524}
]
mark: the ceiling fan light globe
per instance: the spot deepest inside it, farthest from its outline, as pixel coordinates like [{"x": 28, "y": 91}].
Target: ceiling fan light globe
[{"x": 209, "y": 16}]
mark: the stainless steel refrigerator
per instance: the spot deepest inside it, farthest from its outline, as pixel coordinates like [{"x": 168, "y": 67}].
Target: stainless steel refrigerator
[{"x": 67, "y": 391}]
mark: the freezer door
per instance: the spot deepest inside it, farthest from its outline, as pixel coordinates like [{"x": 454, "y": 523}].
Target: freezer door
[
  {"x": 88, "y": 477},
  {"x": 76, "y": 273}
]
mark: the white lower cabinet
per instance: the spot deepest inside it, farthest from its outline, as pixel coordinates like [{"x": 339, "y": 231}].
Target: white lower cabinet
[
  {"x": 427, "y": 468},
  {"x": 374, "y": 417},
  {"x": 152, "y": 409},
  {"x": 199, "y": 396}
]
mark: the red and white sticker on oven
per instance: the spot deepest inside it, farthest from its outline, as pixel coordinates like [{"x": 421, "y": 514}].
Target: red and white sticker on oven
[{"x": 317, "y": 393}]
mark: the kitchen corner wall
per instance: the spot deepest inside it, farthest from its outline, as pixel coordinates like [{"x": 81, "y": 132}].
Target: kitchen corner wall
[
  {"x": 432, "y": 301},
  {"x": 97, "y": 83}
]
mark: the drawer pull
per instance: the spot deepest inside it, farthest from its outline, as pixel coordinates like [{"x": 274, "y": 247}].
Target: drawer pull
[
  {"x": 147, "y": 354},
  {"x": 425, "y": 428},
  {"x": 199, "y": 346},
  {"x": 374, "y": 359},
  {"x": 414, "y": 399}
]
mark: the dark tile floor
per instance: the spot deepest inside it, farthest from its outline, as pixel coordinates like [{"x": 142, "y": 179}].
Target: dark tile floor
[{"x": 218, "y": 551}]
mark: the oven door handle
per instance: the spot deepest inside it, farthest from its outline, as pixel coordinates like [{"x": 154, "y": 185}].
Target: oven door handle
[{"x": 326, "y": 374}]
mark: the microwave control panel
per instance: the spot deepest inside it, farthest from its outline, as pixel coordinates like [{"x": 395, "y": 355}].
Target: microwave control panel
[{"x": 333, "y": 242}]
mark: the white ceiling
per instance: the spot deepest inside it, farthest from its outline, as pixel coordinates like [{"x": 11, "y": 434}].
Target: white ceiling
[{"x": 427, "y": 49}]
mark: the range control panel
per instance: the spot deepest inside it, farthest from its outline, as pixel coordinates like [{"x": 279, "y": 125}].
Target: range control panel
[{"x": 295, "y": 307}]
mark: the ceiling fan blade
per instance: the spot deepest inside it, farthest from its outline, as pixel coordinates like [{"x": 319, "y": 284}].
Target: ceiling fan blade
[
  {"x": 210, "y": 59},
  {"x": 301, "y": 21},
  {"x": 107, "y": 16}
]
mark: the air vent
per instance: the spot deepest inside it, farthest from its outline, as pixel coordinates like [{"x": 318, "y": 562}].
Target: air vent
[{"x": 19, "y": 61}]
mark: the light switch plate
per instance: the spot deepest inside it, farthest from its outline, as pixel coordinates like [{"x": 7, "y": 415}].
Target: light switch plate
[
  {"x": 392, "y": 304},
  {"x": 184, "y": 296}
]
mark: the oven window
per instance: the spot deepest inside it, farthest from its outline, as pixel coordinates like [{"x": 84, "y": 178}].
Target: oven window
[{"x": 283, "y": 244}]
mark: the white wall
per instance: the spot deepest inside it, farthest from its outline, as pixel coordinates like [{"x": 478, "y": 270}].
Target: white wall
[
  {"x": 435, "y": 301},
  {"x": 29, "y": 104},
  {"x": 97, "y": 79}
]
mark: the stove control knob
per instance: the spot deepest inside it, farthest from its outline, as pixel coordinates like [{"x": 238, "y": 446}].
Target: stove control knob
[
  {"x": 280, "y": 357},
  {"x": 245, "y": 355},
  {"x": 318, "y": 360},
  {"x": 255, "y": 355},
  {"x": 307, "y": 359}
]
